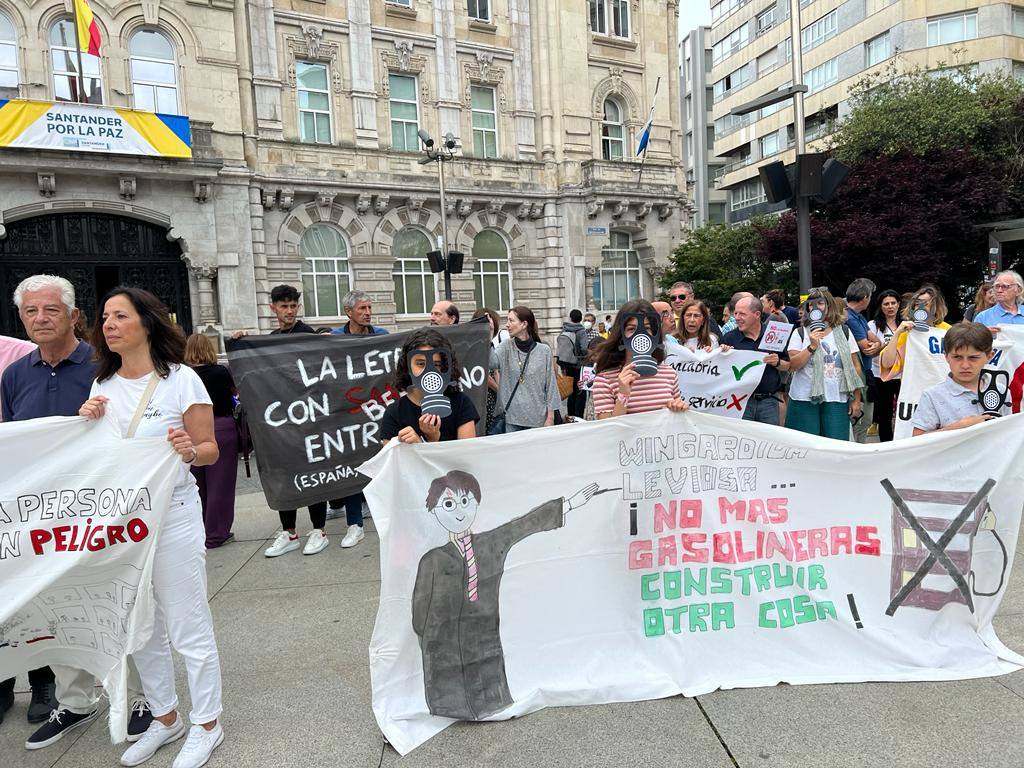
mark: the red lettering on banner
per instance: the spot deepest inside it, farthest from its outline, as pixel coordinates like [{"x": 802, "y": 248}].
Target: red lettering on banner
[
  {"x": 76, "y": 538},
  {"x": 354, "y": 396}
]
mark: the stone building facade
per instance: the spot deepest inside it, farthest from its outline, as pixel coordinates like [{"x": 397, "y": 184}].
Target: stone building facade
[{"x": 306, "y": 167}]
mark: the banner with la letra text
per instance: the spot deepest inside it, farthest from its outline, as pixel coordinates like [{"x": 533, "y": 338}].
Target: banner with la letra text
[
  {"x": 926, "y": 366},
  {"x": 688, "y": 553},
  {"x": 314, "y": 404},
  {"x": 79, "y": 512}
]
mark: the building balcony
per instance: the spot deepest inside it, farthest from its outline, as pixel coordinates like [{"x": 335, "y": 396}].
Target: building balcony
[{"x": 613, "y": 175}]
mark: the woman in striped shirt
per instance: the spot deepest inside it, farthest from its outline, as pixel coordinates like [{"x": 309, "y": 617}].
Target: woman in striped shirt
[{"x": 618, "y": 388}]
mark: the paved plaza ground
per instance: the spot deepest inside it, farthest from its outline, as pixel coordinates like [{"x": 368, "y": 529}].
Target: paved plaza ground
[{"x": 294, "y": 632}]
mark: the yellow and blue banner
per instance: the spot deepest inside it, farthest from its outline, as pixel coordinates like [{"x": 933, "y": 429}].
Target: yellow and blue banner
[{"x": 65, "y": 126}]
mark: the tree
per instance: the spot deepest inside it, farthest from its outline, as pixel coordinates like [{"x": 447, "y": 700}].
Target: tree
[{"x": 719, "y": 260}]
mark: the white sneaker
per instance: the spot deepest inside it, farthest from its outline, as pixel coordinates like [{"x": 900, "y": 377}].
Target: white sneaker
[
  {"x": 315, "y": 542},
  {"x": 333, "y": 513},
  {"x": 155, "y": 737},
  {"x": 353, "y": 536},
  {"x": 199, "y": 746},
  {"x": 283, "y": 543}
]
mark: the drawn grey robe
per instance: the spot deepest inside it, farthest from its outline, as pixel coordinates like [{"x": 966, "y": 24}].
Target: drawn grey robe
[{"x": 463, "y": 662}]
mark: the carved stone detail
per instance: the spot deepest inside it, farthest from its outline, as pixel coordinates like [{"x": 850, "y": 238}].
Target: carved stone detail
[
  {"x": 642, "y": 210},
  {"x": 465, "y": 208},
  {"x": 201, "y": 191},
  {"x": 203, "y": 271},
  {"x": 523, "y": 211},
  {"x": 485, "y": 73},
  {"x": 415, "y": 202},
  {"x": 126, "y": 187},
  {"x": 286, "y": 199},
  {"x": 405, "y": 61},
  {"x": 314, "y": 35},
  {"x": 590, "y": 272},
  {"x": 269, "y": 198},
  {"x": 324, "y": 201},
  {"x": 536, "y": 210},
  {"x": 619, "y": 209},
  {"x": 47, "y": 182},
  {"x": 403, "y": 52},
  {"x": 594, "y": 207},
  {"x": 380, "y": 204},
  {"x": 664, "y": 211},
  {"x": 311, "y": 46},
  {"x": 495, "y": 205}
]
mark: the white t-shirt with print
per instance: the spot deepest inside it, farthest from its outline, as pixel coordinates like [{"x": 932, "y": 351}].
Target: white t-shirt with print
[
  {"x": 800, "y": 384},
  {"x": 885, "y": 336},
  {"x": 173, "y": 396}
]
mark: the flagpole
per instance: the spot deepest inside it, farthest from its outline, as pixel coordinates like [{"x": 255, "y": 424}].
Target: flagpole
[
  {"x": 78, "y": 51},
  {"x": 643, "y": 160}
]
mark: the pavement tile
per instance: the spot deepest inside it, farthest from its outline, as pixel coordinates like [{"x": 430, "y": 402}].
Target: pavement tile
[
  {"x": 666, "y": 732},
  {"x": 224, "y": 562},
  {"x": 1010, "y": 629},
  {"x": 962, "y": 723}
]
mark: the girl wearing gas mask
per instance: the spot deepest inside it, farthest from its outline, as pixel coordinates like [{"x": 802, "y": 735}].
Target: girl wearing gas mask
[
  {"x": 433, "y": 408},
  {"x": 632, "y": 376},
  {"x": 926, "y": 308}
]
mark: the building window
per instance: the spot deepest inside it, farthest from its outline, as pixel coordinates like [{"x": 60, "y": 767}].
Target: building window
[
  {"x": 64, "y": 62},
  {"x": 734, "y": 81},
  {"x": 403, "y": 3},
  {"x": 325, "y": 273},
  {"x": 492, "y": 278},
  {"x": 765, "y": 21},
  {"x": 154, "y": 72},
  {"x": 819, "y": 31},
  {"x": 414, "y": 282},
  {"x": 314, "y": 103},
  {"x": 485, "y": 122},
  {"x": 769, "y": 144},
  {"x": 609, "y": 17},
  {"x": 716, "y": 213},
  {"x": 823, "y": 75},
  {"x": 1018, "y": 70},
  {"x": 746, "y": 194},
  {"x": 729, "y": 44},
  {"x": 8, "y": 59},
  {"x": 877, "y": 49},
  {"x": 613, "y": 133},
  {"x": 1018, "y": 22},
  {"x": 479, "y": 9},
  {"x": 618, "y": 280},
  {"x": 953, "y": 29},
  {"x": 405, "y": 121}
]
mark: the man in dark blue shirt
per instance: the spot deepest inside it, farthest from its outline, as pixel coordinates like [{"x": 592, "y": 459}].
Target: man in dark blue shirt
[
  {"x": 54, "y": 380},
  {"x": 858, "y": 299},
  {"x": 763, "y": 405}
]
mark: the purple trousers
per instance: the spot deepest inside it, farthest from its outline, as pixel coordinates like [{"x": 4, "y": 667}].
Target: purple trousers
[{"x": 217, "y": 483}]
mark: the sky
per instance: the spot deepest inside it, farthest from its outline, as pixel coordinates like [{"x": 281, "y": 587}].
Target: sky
[{"x": 693, "y": 13}]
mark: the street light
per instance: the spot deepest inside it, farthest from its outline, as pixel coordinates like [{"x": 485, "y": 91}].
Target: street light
[{"x": 449, "y": 262}]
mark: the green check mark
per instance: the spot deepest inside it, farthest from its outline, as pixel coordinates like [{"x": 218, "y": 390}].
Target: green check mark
[{"x": 738, "y": 372}]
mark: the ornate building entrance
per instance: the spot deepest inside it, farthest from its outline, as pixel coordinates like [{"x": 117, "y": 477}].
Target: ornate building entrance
[{"x": 96, "y": 252}]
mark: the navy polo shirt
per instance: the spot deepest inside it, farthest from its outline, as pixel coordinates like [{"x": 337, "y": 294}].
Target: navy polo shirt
[
  {"x": 375, "y": 330},
  {"x": 771, "y": 382},
  {"x": 31, "y": 389}
]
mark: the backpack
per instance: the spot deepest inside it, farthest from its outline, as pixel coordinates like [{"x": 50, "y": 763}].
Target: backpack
[{"x": 567, "y": 348}]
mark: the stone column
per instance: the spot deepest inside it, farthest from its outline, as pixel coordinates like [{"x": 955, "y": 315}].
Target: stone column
[
  {"x": 523, "y": 111},
  {"x": 204, "y": 275},
  {"x": 449, "y": 104},
  {"x": 364, "y": 89},
  {"x": 589, "y": 276}
]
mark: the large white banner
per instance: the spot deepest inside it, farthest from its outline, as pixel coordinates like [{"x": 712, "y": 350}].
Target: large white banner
[
  {"x": 717, "y": 382},
  {"x": 688, "y": 553},
  {"x": 79, "y": 512},
  {"x": 925, "y": 366}
]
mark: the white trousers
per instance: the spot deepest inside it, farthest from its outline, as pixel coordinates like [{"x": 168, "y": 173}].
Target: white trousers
[
  {"x": 182, "y": 618},
  {"x": 77, "y": 689}
]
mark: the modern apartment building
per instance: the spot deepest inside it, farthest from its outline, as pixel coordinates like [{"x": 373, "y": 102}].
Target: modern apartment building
[
  {"x": 706, "y": 200},
  {"x": 842, "y": 40}
]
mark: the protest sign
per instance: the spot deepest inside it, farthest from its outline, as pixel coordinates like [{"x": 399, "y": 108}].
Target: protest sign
[
  {"x": 79, "y": 510},
  {"x": 689, "y": 553},
  {"x": 716, "y": 382},
  {"x": 776, "y": 336},
  {"x": 314, "y": 404},
  {"x": 926, "y": 366}
]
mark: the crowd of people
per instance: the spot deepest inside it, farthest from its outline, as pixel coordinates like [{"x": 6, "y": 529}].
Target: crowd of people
[{"x": 839, "y": 374}]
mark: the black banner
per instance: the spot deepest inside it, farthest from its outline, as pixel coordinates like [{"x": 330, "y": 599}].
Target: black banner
[{"x": 314, "y": 404}]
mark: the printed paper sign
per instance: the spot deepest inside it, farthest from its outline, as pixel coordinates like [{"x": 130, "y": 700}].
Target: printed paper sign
[
  {"x": 79, "y": 510},
  {"x": 587, "y": 376},
  {"x": 314, "y": 404},
  {"x": 776, "y": 336},
  {"x": 688, "y": 553},
  {"x": 717, "y": 382},
  {"x": 926, "y": 366}
]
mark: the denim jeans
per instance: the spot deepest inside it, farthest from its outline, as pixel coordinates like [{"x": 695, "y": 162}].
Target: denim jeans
[{"x": 764, "y": 410}]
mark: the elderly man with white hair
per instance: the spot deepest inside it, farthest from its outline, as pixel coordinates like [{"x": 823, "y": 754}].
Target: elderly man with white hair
[
  {"x": 54, "y": 380},
  {"x": 1007, "y": 310}
]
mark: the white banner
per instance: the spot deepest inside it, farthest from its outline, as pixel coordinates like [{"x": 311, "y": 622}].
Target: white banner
[
  {"x": 717, "y": 382},
  {"x": 689, "y": 553},
  {"x": 925, "y": 366},
  {"x": 79, "y": 512}
]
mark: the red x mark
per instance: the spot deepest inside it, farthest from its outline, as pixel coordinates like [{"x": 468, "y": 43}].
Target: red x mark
[{"x": 737, "y": 402}]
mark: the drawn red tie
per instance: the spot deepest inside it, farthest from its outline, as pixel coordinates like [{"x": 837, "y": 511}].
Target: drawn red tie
[{"x": 466, "y": 545}]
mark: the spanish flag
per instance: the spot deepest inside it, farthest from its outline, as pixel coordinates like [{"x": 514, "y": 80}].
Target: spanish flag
[{"x": 88, "y": 29}]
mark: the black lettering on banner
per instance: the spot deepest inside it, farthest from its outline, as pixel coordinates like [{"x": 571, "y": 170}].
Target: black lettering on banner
[{"x": 314, "y": 404}]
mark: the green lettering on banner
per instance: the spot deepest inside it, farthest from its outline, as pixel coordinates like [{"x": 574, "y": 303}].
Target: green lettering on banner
[
  {"x": 816, "y": 577},
  {"x": 654, "y": 622},
  {"x": 672, "y": 585},
  {"x": 721, "y": 584},
  {"x": 722, "y": 614},
  {"x": 695, "y": 583},
  {"x": 698, "y": 611},
  {"x": 826, "y": 610},
  {"x": 647, "y": 591}
]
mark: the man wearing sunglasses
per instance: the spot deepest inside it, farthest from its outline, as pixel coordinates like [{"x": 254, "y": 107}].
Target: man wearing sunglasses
[{"x": 678, "y": 295}]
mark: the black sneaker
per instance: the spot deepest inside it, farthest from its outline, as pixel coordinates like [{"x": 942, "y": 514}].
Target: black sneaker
[
  {"x": 44, "y": 701},
  {"x": 6, "y": 697},
  {"x": 139, "y": 722},
  {"x": 61, "y": 723}
]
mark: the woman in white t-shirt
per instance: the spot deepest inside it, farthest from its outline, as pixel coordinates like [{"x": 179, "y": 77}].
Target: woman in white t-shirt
[
  {"x": 884, "y": 326},
  {"x": 694, "y": 330},
  {"x": 825, "y": 391},
  {"x": 143, "y": 388}
]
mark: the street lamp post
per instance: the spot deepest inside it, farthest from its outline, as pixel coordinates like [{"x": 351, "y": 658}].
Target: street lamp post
[
  {"x": 443, "y": 260},
  {"x": 803, "y": 202}
]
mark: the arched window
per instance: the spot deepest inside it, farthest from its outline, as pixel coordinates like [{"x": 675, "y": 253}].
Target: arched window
[
  {"x": 154, "y": 72},
  {"x": 492, "y": 278},
  {"x": 618, "y": 281},
  {"x": 64, "y": 62},
  {"x": 325, "y": 273},
  {"x": 414, "y": 282},
  {"x": 8, "y": 58},
  {"x": 613, "y": 132}
]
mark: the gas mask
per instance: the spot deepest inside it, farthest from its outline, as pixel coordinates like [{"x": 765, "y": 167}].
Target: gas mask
[
  {"x": 922, "y": 316},
  {"x": 643, "y": 343},
  {"x": 993, "y": 388},
  {"x": 432, "y": 380},
  {"x": 816, "y": 315}
]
